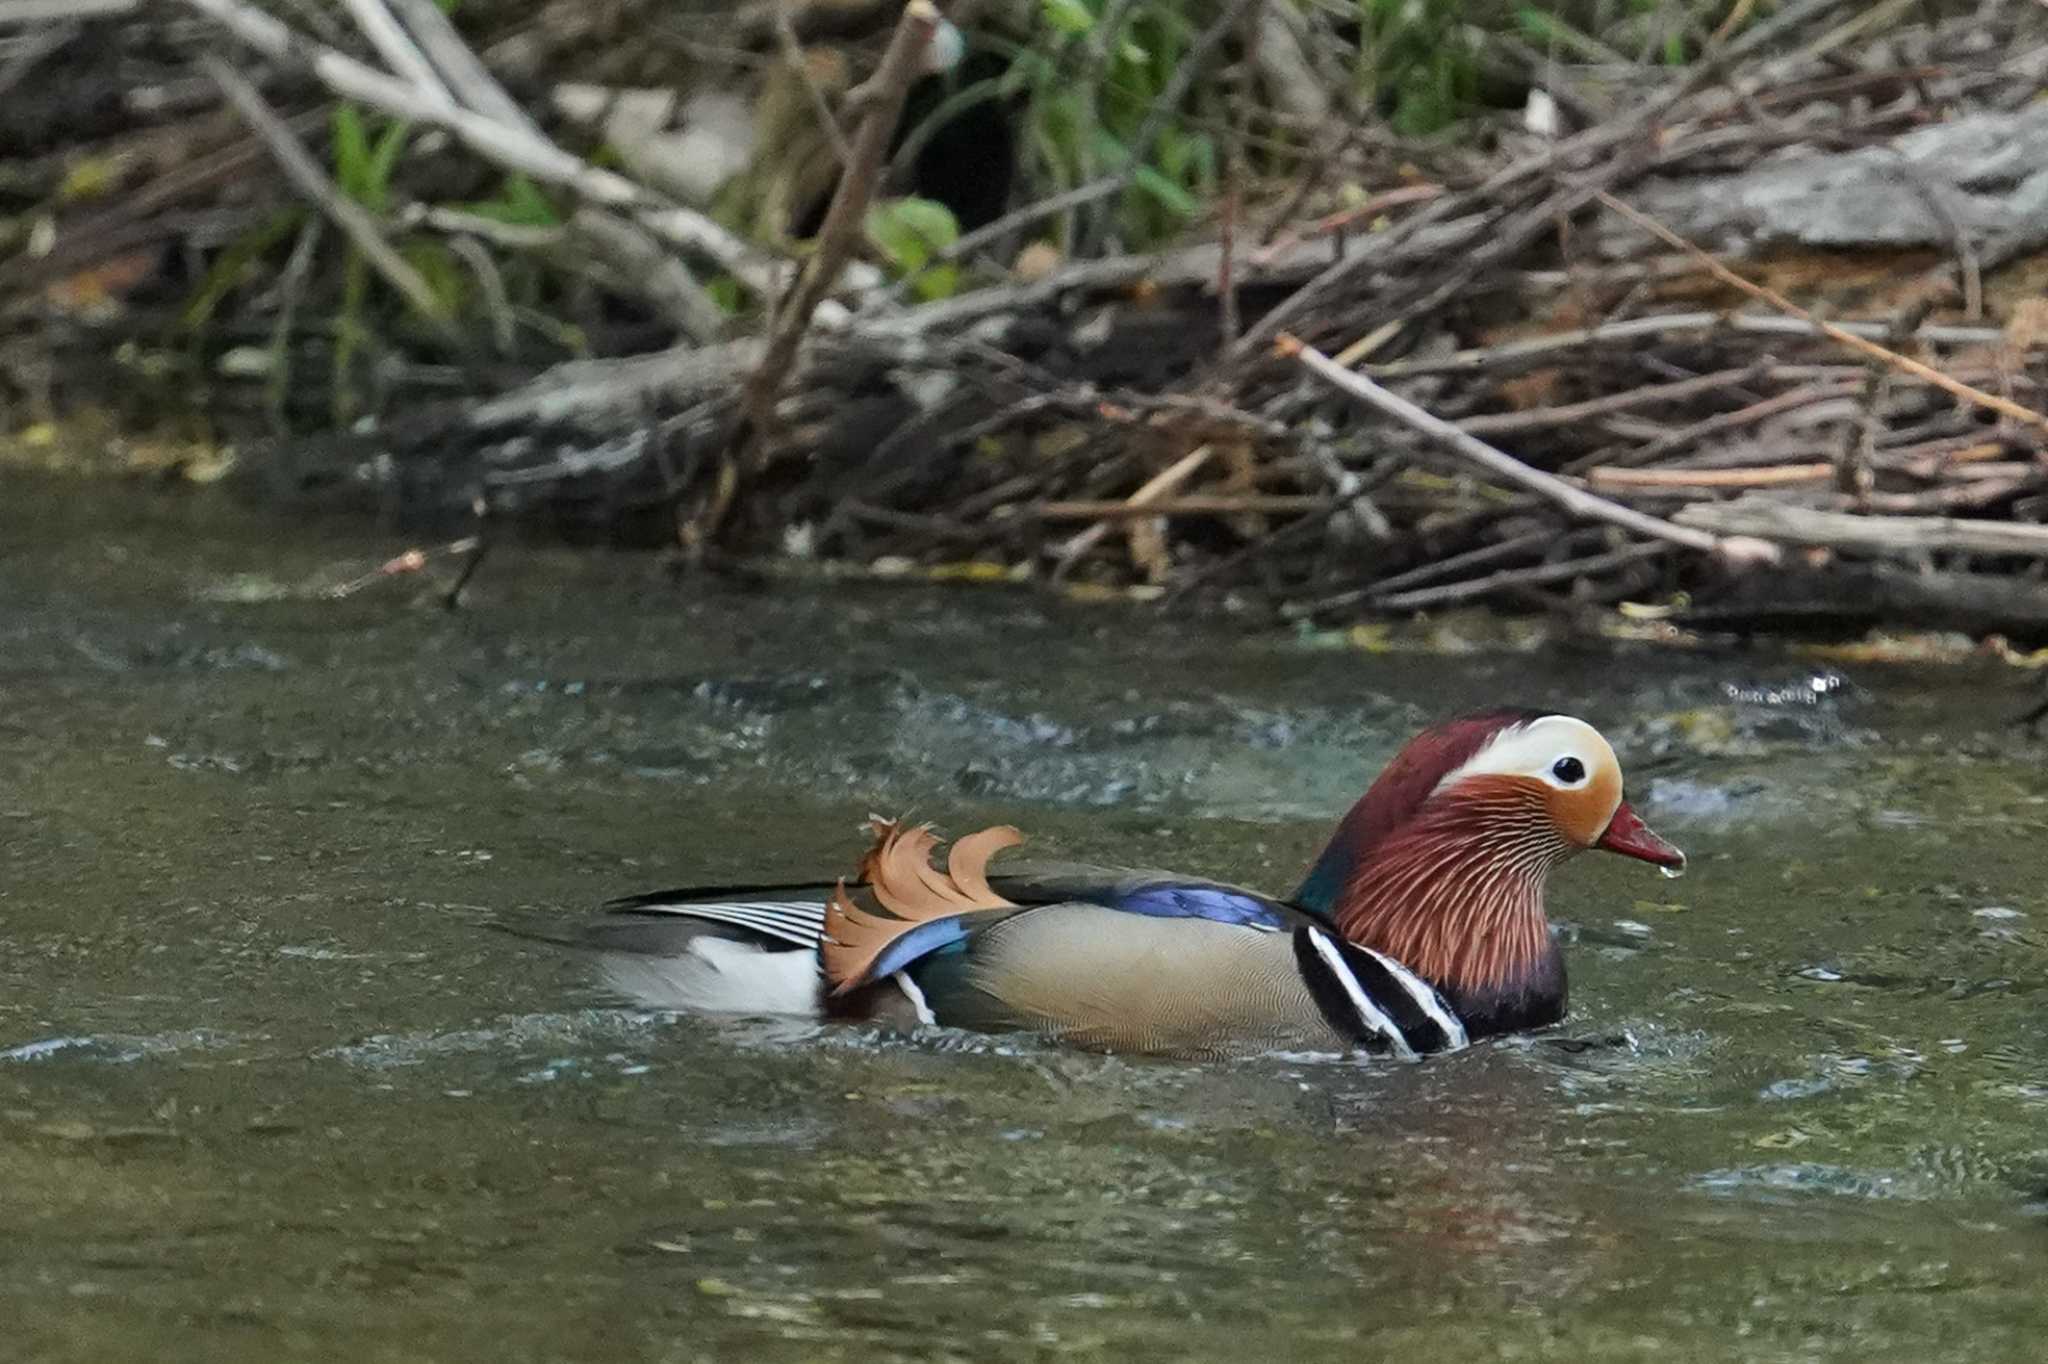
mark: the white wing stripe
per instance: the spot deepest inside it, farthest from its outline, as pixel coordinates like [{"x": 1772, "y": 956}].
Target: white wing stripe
[
  {"x": 1426, "y": 999},
  {"x": 1368, "y": 1012}
]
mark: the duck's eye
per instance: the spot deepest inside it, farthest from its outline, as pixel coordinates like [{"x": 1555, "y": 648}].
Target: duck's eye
[{"x": 1570, "y": 771}]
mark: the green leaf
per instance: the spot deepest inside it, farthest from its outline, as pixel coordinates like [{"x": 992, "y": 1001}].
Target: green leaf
[
  {"x": 726, "y": 292},
  {"x": 912, "y": 230},
  {"x": 351, "y": 149},
  {"x": 1536, "y": 25},
  {"x": 363, "y": 169},
  {"x": 1170, "y": 196},
  {"x": 909, "y": 233},
  {"x": 1068, "y": 16},
  {"x": 376, "y": 194},
  {"x": 519, "y": 203},
  {"x": 446, "y": 277}
]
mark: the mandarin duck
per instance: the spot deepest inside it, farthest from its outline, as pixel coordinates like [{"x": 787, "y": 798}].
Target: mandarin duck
[{"x": 1419, "y": 928}]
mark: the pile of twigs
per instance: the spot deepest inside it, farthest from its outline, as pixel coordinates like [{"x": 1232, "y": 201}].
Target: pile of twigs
[{"x": 1525, "y": 383}]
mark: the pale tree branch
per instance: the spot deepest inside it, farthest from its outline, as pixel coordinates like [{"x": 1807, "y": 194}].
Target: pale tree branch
[
  {"x": 1472, "y": 450},
  {"x": 880, "y": 100}
]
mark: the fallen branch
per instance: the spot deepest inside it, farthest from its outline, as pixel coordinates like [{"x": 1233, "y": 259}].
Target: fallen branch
[
  {"x": 1473, "y": 450},
  {"x": 1509, "y": 579},
  {"x": 1505, "y": 185},
  {"x": 1365, "y": 212},
  {"x": 1537, "y": 418},
  {"x": 1978, "y": 603},
  {"x": 2005, "y": 407},
  {"x": 1670, "y": 442},
  {"x": 508, "y": 145},
  {"x": 14, "y": 12},
  {"x": 1528, "y": 543},
  {"x": 1685, "y": 480},
  {"x": 1213, "y": 504},
  {"x": 461, "y": 69},
  {"x": 1536, "y": 350},
  {"x": 1148, "y": 492},
  {"x": 398, "y": 50},
  {"x": 1880, "y": 534}
]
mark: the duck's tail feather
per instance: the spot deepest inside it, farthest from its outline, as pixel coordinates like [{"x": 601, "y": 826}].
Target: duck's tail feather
[
  {"x": 799, "y": 923},
  {"x": 683, "y": 899},
  {"x": 706, "y": 967},
  {"x": 736, "y": 950}
]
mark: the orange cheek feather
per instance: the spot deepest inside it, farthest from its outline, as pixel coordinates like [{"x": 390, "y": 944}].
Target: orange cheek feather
[{"x": 1582, "y": 815}]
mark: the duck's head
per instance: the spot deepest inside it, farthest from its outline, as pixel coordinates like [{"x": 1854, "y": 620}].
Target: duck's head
[{"x": 1442, "y": 863}]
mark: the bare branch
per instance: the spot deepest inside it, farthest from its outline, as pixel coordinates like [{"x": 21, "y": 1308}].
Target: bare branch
[
  {"x": 466, "y": 75},
  {"x": 1881, "y": 534},
  {"x": 1475, "y": 451},
  {"x": 2005, "y": 407},
  {"x": 397, "y": 48},
  {"x": 508, "y": 145},
  {"x": 881, "y": 99}
]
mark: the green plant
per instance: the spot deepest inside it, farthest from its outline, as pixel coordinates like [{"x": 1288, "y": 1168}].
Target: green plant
[
  {"x": 1088, "y": 88},
  {"x": 227, "y": 269},
  {"x": 1658, "y": 29},
  {"x": 909, "y": 232},
  {"x": 518, "y": 203},
  {"x": 363, "y": 167},
  {"x": 1418, "y": 61}
]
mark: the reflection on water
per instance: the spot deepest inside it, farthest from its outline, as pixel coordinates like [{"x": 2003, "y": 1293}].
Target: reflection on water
[{"x": 271, "y": 1087}]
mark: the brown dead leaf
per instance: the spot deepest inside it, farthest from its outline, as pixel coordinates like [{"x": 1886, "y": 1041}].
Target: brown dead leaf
[
  {"x": 95, "y": 293},
  {"x": 1036, "y": 261}
]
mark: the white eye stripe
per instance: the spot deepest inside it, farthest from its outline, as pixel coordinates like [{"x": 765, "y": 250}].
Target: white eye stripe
[{"x": 1531, "y": 750}]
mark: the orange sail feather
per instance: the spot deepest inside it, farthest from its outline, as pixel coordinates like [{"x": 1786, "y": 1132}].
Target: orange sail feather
[{"x": 899, "y": 872}]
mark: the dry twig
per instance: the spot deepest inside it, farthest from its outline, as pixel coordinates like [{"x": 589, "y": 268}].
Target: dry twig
[
  {"x": 881, "y": 101},
  {"x": 1926, "y": 373},
  {"x": 1881, "y": 534},
  {"x": 1574, "y": 500}
]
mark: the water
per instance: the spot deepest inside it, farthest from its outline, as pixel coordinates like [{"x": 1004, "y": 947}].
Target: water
[{"x": 271, "y": 1088}]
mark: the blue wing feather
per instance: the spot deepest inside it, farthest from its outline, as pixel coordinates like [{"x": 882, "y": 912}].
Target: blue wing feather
[
  {"x": 1195, "y": 900},
  {"x": 919, "y": 943}
]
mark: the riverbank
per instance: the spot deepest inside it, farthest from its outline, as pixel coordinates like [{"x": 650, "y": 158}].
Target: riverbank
[{"x": 1362, "y": 375}]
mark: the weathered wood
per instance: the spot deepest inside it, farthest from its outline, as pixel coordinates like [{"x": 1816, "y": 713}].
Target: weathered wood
[
  {"x": 1844, "y": 600},
  {"x": 1915, "y": 190},
  {"x": 1875, "y": 534},
  {"x": 1577, "y": 501},
  {"x": 1696, "y": 480}
]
